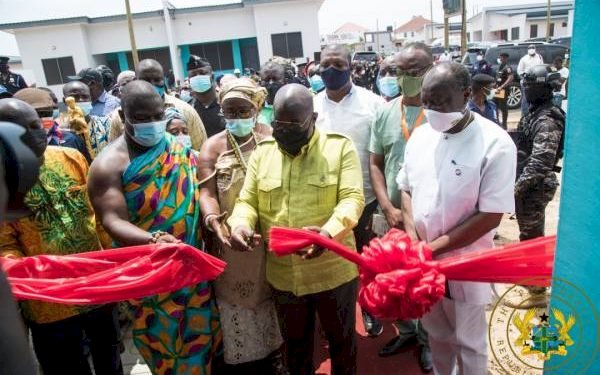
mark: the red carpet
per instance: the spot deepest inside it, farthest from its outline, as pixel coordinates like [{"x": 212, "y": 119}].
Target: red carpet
[{"x": 369, "y": 363}]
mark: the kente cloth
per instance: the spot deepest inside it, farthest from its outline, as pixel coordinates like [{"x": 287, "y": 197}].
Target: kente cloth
[{"x": 175, "y": 332}]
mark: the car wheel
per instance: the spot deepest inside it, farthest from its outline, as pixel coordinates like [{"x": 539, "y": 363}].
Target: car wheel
[{"x": 514, "y": 97}]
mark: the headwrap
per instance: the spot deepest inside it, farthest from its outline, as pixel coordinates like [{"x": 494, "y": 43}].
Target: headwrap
[
  {"x": 243, "y": 88},
  {"x": 172, "y": 113}
]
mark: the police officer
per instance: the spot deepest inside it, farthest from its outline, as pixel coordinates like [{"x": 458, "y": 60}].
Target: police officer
[
  {"x": 504, "y": 77},
  {"x": 13, "y": 82},
  {"x": 540, "y": 146}
]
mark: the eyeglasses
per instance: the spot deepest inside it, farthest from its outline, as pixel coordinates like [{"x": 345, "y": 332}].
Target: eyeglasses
[
  {"x": 240, "y": 113},
  {"x": 287, "y": 124},
  {"x": 416, "y": 72}
]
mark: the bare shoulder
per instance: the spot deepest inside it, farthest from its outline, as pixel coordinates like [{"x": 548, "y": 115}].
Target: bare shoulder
[
  {"x": 113, "y": 159},
  {"x": 214, "y": 146}
]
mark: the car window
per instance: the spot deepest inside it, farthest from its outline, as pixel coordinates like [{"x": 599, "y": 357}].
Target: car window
[{"x": 549, "y": 53}]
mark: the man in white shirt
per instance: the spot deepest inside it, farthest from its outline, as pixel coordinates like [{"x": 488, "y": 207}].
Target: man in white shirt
[
  {"x": 530, "y": 60},
  {"x": 352, "y": 111},
  {"x": 559, "y": 97},
  {"x": 457, "y": 181}
]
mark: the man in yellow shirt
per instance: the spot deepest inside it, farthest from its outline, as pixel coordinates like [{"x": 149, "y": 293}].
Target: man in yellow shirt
[{"x": 305, "y": 178}]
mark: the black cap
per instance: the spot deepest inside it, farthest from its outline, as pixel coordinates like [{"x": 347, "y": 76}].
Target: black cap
[
  {"x": 87, "y": 75},
  {"x": 196, "y": 62},
  {"x": 504, "y": 54},
  {"x": 4, "y": 59}
]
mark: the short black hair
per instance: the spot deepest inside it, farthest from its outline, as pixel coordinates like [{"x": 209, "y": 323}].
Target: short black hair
[
  {"x": 461, "y": 75},
  {"x": 481, "y": 80},
  {"x": 558, "y": 58},
  {"x": 196, "y": 62},
  {"x": 420, "y": 46},
  {"x": 504, "y": 54}
]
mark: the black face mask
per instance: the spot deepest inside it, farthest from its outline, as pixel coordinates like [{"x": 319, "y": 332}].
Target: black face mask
[
  {"x": 3, "y": 68},
  {"x": 36, "y": 140},
  {"x": 292, "y": 140},
  {"x": 272, "y": 89}
]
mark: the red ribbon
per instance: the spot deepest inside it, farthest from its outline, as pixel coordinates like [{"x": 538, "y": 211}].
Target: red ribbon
[
  {"x": 400, "y": 279},
  {"x": 106, "y": 276}
]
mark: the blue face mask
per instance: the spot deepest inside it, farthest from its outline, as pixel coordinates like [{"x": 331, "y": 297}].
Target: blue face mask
[
  {"x": 185, "y": 96},
  {"x": 200, "y": 83},
  {"x": 86, "y": 107},
  {"x": 149, "y": 134},
  {"x": 160, "y": 90},
  {"x": 335, "y": 79},
  {"x": 316, "y": 83},
  {"x": 240, "y": 127},
  {"x": 55, "y": 113},
  {"x": 388, "y": 86}
]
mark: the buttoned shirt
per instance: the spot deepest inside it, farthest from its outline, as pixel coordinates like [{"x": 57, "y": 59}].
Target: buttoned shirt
[
  {"x": 528, "y": 61},
  {"x": 190, "y": 116},
  {"x": 105, "y": 105},
  {"x": 451, "y": 177},
  {"x": 354, "y": 116},
  {"x": 321, "y": 186}
]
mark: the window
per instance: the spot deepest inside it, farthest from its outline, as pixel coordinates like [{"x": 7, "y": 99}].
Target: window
[
  {"x": 533, "y": 30},
  {"x": 220, "y": 54},
  {"x": 369, "y": 38},
  {"x": 551, "y": 29},
  {"x": 514, "y": 33},
  {"x": 288, "y": 45},
  {"x": 405, "y": 35},
  {"x": 503, "y": 35},
  {"x": 370, "y": 48},
  {"x": 57, "y": 70},
  {"x": 412, "y": 33}
]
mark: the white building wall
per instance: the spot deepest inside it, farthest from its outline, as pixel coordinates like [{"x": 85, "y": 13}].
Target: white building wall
[
  {"x": 205, "y": 27},
  {"x": 47, "y": 42},
  {"x": 286, "y": 18},
  {"x": 559, "y": 29}
]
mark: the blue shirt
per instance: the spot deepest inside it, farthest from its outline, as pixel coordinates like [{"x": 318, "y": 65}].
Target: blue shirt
[
  {"x": 105, "y": 105},
  {"x": 489, "y": 113}
]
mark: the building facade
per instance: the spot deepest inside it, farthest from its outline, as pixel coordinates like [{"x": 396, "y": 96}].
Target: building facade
[
  {"x": 521, "y": 22},
  {"x": 231, "y": 35}
]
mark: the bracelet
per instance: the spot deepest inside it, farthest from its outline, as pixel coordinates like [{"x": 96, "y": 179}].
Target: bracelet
[
  {"x": 206, "y": 223},
  {"x": 156, "y": 235}
]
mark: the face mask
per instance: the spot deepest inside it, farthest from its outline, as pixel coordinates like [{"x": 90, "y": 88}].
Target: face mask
[
  {"x": 3, "y": 68},
  {"x": 36, "y": 140},
  {"x": 557, "y": 99},
  {"x": 55, "y": 113},
  {"x": 316, "y": 83},
  {"x": 272, "y": 89},
  {"x": 335, "y": 79},
  {"x": 185, "y": 96},
  {"x": 531, "y": 51},
  {"x": 291, "y": 141},
  {"x": 491, "y": 95},
  {"x": 389, "y": 86},
  {"x": 86, "y": 107},
  {"x": 149, "y": 134},
  {"x": 440, "y": 121},
  {"x": 240, "y": 127},
  {"x": 201, "y": 83},
  {"x": 499, "y": 61},
  {"x": 185, "y": 140},
  {"x": 479, "y": 57},
  {"x": 411, "y": 86},
  {"x": 160, "y": 90}
]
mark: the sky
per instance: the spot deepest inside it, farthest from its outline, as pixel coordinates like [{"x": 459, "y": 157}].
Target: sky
[{"x": 334, "y": 13}]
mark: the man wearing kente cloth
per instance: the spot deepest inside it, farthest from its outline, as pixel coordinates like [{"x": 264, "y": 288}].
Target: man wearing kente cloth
[{"x": 145, "y": 190}]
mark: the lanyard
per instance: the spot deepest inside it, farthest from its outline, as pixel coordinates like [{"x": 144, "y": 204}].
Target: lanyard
[{"x": 403, "y": 124}]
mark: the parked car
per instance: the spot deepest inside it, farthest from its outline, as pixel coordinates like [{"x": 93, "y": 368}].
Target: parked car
[
  {"x": 369, "y": 57},
  {"x": 563, "y": 41},
  {"x": 515, "y": 51},
  {"x": 453, "y": 50},
  {"x": 470, "y": 57}
]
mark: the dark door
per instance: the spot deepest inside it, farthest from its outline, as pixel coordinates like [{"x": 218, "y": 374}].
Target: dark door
[{"x": 250, "y": 56}]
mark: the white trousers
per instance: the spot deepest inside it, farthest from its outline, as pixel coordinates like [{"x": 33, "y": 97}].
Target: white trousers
[{"x": 457, "y": 335}]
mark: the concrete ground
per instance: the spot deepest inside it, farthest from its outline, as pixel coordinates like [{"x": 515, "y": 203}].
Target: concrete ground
[{"x": 404, "y": 362}]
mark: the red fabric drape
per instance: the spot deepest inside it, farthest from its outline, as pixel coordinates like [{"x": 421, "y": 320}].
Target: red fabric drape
[
  {"x": 400, "y": 279},
  {"x": 110, "y": 275}
]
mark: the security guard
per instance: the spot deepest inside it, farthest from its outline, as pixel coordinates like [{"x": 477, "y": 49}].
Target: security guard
[
  {"x": 540, "y": 146},
  {"x": 11, "y": 81}
]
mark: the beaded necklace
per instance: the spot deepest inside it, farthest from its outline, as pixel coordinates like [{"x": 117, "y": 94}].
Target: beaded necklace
[{"x": 238, "y": 151}]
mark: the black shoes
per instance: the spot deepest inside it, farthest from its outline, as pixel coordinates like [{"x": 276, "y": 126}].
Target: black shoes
[
  {"x": 394, "y": 345},
  {"x": 373, "y": 326},
  {"x": 425, "y": 359}
]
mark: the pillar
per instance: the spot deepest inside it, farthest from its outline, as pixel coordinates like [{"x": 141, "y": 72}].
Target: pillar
[
  {"x": 577, "y": 264},
  {"x": 123, "y": 63},
  {"x": 237, "y": 55},
  {"x": 185, "y": 56}
]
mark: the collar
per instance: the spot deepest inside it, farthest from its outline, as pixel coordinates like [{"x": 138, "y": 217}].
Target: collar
[
  {"x": 348, "y": 95},
  {"x": 102, "y": 98},
  {"x": 307, "y": 147}
]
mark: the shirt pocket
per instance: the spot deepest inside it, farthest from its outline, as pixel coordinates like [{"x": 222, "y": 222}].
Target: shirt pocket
[
  {"x": 322, "y": 189},
  {"x": 269, "y": 193}
]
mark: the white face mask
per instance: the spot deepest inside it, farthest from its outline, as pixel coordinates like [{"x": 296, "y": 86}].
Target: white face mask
[
  {"x": 479, "y": 57},
  {"x": 499, "y": 61},
  {"x": 491, "y": 95},
  {"x": 531, "y": 51},
  {"x": 442, "y": 122}
]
